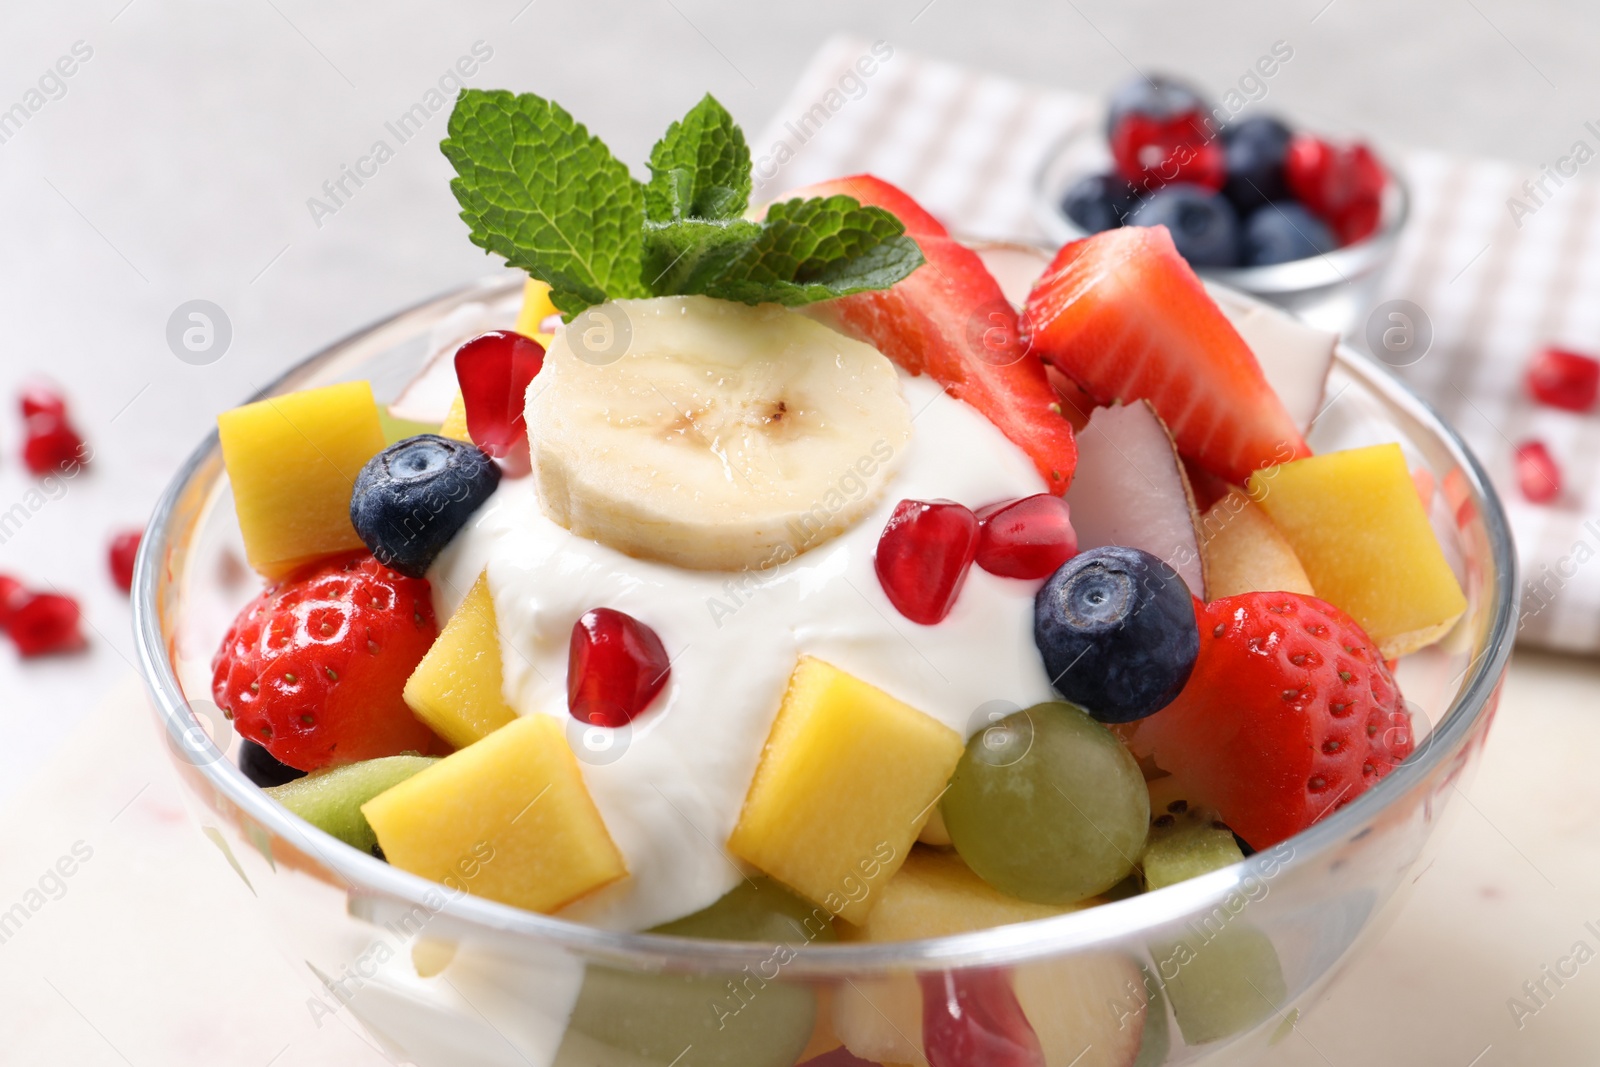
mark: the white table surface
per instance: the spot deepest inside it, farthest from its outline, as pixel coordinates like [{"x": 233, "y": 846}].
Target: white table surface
[{"x": 178, "y": 163}]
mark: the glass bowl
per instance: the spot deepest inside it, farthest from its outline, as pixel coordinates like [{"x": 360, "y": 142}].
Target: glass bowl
[
  {"x": 1205, "y": 971},
  {"x": 1333, "y": 291}
]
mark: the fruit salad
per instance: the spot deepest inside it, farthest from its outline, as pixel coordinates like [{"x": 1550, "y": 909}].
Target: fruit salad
[
  {"x": 1234, "y": 192},
  {"x": 773, "y": 577}
]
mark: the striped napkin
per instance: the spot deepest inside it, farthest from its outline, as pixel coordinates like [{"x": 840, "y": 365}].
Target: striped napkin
[{"x": 1498, "y": 268}]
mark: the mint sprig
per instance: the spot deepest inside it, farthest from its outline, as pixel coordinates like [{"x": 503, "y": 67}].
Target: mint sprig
[{"x": 538, "y": 189}]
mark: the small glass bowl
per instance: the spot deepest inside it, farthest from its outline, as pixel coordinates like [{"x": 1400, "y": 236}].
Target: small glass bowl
[
  {"x": 1332, "y": 291},
  {"x": 439, "y": 978}
]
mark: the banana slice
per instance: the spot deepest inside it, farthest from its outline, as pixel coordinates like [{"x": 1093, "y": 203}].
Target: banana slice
[{"x": 720, "y": 436}]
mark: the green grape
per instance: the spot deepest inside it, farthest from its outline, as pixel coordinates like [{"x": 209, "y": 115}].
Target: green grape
[
  {"x": 749, "y": 1019},
  {"x": 757, "y": 909},
  {"x": 1047, "y": 805}
]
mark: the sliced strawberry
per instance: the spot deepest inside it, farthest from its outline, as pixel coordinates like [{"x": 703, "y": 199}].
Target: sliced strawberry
[
  {"x": 1125, "y": 317},
  {"x": 878, "y": 193},
  {"x": 950, "y": 320},
  {"x": 1290, "y": 713}
]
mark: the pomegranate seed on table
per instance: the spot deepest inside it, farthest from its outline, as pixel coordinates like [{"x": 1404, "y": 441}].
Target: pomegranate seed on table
[
  {"x": 973, "y": 1017},
  {"x": 1027, "y": 538},
  {"x": 41, "y": 399},
  {"x": 1340, "y": 184},
  {"x": 1564, "y": 379},
  {"x": 45, "y": 623},
  {"x": 923, "y": 557},
  {"x": 52, "y": 445},
  {"x": 494, "y": 371},
  {"x": 124, "y": 547},
  {"x": 615, "y": 667},
  {"x": 1537, "y": 474},
  {"x": 12, "y": 594}
]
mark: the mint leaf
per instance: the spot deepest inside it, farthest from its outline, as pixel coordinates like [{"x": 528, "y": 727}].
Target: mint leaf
[
  {"x": 700, "y": 169},
  {"x": 675, "y": 253},
  {"x": 538, "y": 189},
  {"x": 805, "y": 251}
]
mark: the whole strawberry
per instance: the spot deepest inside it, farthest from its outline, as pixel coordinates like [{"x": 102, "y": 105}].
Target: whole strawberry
[
  {"x": 313, "y": 668},
  {"x": 1290, "y": 714}
]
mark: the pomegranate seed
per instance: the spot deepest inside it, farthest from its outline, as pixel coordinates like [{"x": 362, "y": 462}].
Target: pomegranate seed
[
  {"x": 44, "y": 623},
  {"x": 494, "y": 370},
  {"x": 1027, "y": 538},
  {"x": 1340, "y": 184},
  {"x": 1564, "y": 379},
  {"x": 12, "y": 594},
  {"x": 1151, "y": 152},
  {"x": 41, "y": 399},
  {"x": 52, "y": 446},
  {"x": 124, "y": 547},
  {"x": 923, "y": 557},
  {"x": 973, "y": 1017},
  {"x": 615, "y": 668},
  {"x": 1537, "y": 473}
]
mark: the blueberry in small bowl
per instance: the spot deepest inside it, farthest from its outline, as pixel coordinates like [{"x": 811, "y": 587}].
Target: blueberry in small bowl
[
  {"x": 1257, "y": 147},
  {"x": 1283, "y": 233},
  {"x": 1203, "y": 224},
  {"x": 1099, "y": 201}
]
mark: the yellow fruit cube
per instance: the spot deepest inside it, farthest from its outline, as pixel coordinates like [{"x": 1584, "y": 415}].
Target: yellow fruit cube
[
  {"x": 1359, "y": 529},
  {"x": 1245, "y": 552},
  {"x": 455, "y": 421},
  {"x": 536, "y": 307},
  {"x": 508, "y": 819},
  {"x": 1066, "y": 1000},
  {"x": 457, "y": 688},
  {"x": 846, "y": 780},
  {"x": 935, "y": 894},
  {"x": 293, "y": 461}
]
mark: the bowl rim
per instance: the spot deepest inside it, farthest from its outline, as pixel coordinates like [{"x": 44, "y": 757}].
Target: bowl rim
[
  {"x": 1104, "y": 926},
  {"x": 1278, "y": 279}
]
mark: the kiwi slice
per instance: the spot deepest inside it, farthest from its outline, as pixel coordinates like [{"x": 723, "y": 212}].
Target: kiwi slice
[
  {"x": 1223, "y": 976},
  {"x": 1185, "y": 842},
  {"x": 331, "y": 800}
]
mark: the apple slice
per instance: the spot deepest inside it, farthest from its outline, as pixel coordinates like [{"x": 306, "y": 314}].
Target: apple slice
[
  {"x": 1131, "y": 490},
  {"x": 1295, "y": 358},
  {"x": 1079, "y": 1005},
  {"x": 1245, "y": 552}
]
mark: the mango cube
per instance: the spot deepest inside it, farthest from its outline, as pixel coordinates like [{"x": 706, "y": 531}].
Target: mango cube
[
  {"x": 536, "y": 307},
  {"x": 455, "y": 421},
  {"x": 456, "y": 689},
  {"x": 293, "y": 461},
  {"x": 1358, "y": 527},
  {"x": 507, "y": 818},
  {"x": 846, "y": 780}
]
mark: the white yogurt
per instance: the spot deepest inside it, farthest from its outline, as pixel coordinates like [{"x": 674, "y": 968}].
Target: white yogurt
[{"x": 671, "y": 798}]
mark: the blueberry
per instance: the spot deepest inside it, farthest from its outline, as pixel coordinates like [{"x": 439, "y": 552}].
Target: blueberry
[
  {"x": 413, "y": 497},
  {"x": 1204, "y": 226},
  {"x": 1158, "y": 97},
  {"x": 1098, "y": 202},
  {"x": 1278, "y": 233},
  {"x": 1117, "y": 631},
  {"x": 262, "y": 767},
  {"x": 1256, "y": 149}
]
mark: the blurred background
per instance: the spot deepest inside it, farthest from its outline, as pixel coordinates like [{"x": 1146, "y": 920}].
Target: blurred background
[{"x": 176, "y": 163}]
